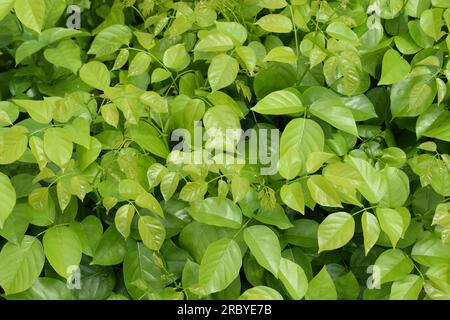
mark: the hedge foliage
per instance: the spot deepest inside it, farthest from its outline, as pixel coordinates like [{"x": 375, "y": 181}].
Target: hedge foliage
[{"x": 97, "y": 201}]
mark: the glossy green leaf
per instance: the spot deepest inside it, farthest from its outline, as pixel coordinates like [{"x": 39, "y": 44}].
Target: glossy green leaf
[{"x": 335, "y": 231}]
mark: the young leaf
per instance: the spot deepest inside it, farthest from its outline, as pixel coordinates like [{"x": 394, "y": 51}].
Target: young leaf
[
  {"x": 222, "y": 71},
  {"x": 335, "y": 231},
  {"x": 394, "y": 68},
  {"x": 220, "y": 265},
  {"x": 21, "y": 264},
  {"x": 371, "y": 230},
  {"x": 152, "y": 232},
  {"x": 265, "y": 247}
]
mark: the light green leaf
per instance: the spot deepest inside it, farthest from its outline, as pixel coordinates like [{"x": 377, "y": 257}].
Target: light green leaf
[
  {"x": 176, "y": 58},
  {"x": 321, "y": 287},
  {"x": 240, "y": 186},
  {"x": 31, "y": 13},
  {"x": 58, "y": 146},
  {"x": 341, "y": 31},
  {"x": 62, "y": 248},
  {"x": 322, "y": 192},
  {"x": 222, "y": 71},
  {"x": 275, "y": 23},
  {"x": 21, "y": 264},
  {"x": 397, "y": 192},
  {"x": 335, "y": 113},
  {"x": 374, "y": 186},
  {"x": 220, "y": 265},
  {"x": 148, "y": 201},
  {"x": 265, "y": 247},
  {"x": 432, "y": 23},
  {"x": 13, "y": 143},
  {"x": 394, "y": 68},
  {"x": 110, "y": 39},
  {"x": 293, "y": 278},
  {"x": 66, "y": 55},
  {"x": 139, "y": 64},
  {"x": 280, "y": 102},
  {"x": 293, "y": 196},
  {"x": 290, "y": 164},
  {"x": 95, "y": 74},
  {"x": 7, "y": 198},
  {"x": 335, "y": 231},
  {"x": 408, "y": 288},
  {"x": 216, "y": 211},
  {"x": 260, "y": 293},
  {"x": 281, "y": 54},
  {"x": 391, "y": 265},
  {"x": 391, "y": 223},
  {"x": 5, "y": 7},
  {"x": 123, "y": 218},
  {"x": 304, "y": 135},
  {"x": 371, "y": 230},
  {"x": 169, "y": 184},
  {"x": 215, "y": 42},
  {"x": 272, "y": 4},
  {"x": 152, "y": 232}
]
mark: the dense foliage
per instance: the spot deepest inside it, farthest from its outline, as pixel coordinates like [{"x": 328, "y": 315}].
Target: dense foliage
[{"x": 97, "y": 200}]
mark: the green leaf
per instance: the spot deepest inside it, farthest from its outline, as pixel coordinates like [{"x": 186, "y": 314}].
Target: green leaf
[
  {"x": 148, "y": 201},
  {"x": 335, "y": 113},
  {"x": 432, "y": 23},
  {"x": 140, "y": 272},
  {"x": 275, "y": 23},
  {"x": 63, "y": 250},
  {"x": 391, "y": 223},
  {"x": 340, "y": 31},
  {"x": 7, "y": 198},
  {"x": 111, "y": 248},
  {"x": 281, "y": 54},
  {"x": 169, "y": 185},
  {"x": 323, "y": 192},
  {"x": 152, "y": 232},
  {"x": 321, "y": 287},
  {"x": 220, "y": 265},
  {"x": 110, "y": 39},
  {"x": 95, "y": 74},
  {"x": 260, "y": 293},
  {"x": 44, "y": 289},
  {"x": 31, "y": 13},
  {"x": 335, "y": 231},
  {"x": 139, "y": 64},
  {"x": 391, "y": 265},
  {"x": 13, "y": 143},
  {"x": 5, "y": 7},
  {"x": 395, "y": 68},
  {"x": 397, "y": 192},
  {"x": 431, "y": 251},
  {"x": 21, "y": 264},
  {"x": 58, "y": 146},
  {"x": 371, "y": 230},
  {"x": 293, "y": 278},
  {"x": 222, "y": 71},
  {"x": 292, "y": 195},
  {"x": 408, "y": 288},
  {"x": 216, "y": 211},
  {"x": 66, "y": 55},
  {"x": 303, "y": 135},
  {"x": 240, "y": 186},
  {"x": 374, "y": 186},
  {"x": 123, "y": 218},
  {"x": 89, "y": 231},
  {"x": 280, "y": 102},
  {"x": 215, "y": 42},
  {"x": 148, "y": 138},
  {"x": 154, "y": 101},
  {"x": 265, "y": 247},
  {"x": 290, "y": 165},
  {"x": 176, "y": 58},
  {"x": 27, "y": 49}
]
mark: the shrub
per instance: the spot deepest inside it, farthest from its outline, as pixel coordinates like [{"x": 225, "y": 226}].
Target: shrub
[{"x": 224, "y": 149}]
